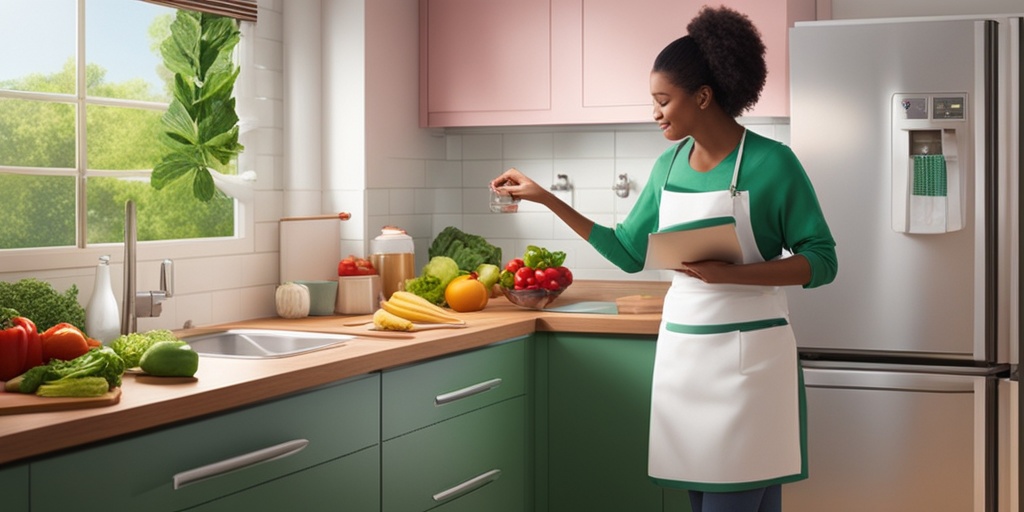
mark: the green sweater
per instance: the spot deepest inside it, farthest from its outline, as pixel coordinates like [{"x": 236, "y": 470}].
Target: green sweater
[{"x": 784, "y": 209}]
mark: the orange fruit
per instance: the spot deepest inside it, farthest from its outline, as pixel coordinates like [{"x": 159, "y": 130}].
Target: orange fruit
[{"x": 466, "y": 293}]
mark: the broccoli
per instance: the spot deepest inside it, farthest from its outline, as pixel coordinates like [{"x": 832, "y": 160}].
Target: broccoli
[
  {"x": 131, "y": 346},
  {"x": 100, "y": 362},
  {"x": 40, "y": 302}
]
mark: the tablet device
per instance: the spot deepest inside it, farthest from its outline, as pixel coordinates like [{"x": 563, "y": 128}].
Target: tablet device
[{"x": 705, "y": 239}]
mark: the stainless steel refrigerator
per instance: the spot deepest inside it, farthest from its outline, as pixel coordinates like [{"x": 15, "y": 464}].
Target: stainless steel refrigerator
[{"x": 910, "y": 132}]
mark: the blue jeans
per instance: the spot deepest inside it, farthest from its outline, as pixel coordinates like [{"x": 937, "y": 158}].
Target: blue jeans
[{"x": 765, "y": 499}]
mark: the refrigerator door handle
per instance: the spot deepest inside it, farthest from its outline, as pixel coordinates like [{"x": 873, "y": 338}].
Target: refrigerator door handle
[{"x": 883, "y": 380}]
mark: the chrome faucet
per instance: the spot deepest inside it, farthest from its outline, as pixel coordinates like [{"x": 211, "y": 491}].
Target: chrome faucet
[{"x": 135, "y": 303}]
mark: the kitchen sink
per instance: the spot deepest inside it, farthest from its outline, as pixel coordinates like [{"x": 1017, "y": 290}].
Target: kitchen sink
[{"x": 262, "y": 343}]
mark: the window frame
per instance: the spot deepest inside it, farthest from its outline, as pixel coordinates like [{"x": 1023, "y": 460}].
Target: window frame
[{"x": 37, "y": 259}]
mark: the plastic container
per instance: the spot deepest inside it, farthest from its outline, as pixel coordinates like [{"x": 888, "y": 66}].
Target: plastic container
[
  {"x": 102, "y": 318},
  {"x": 394, "y": 256}
]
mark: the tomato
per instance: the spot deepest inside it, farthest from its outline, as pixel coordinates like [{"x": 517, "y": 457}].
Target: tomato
[
  {"x": 514, "y": 265},
  {"x": 466, "y": 293},
  {"x": 353, "y": 266},
  {"x": 525, "y": 278}
]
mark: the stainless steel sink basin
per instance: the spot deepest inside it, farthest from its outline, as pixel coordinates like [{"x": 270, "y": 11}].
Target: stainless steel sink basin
[{"x": 262, "y": 343}]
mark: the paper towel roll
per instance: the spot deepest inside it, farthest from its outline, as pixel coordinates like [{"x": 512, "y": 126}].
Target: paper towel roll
[{"x": 311, "y": 247}]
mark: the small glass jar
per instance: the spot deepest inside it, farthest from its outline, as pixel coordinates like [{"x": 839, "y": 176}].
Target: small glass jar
[{"x": 503, "y": 203}]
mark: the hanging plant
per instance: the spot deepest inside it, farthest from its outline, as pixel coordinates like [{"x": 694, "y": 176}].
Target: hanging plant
[{"x": 200, "y": 125}]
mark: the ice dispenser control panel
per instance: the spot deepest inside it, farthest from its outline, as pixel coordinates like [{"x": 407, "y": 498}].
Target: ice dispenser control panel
[{"x": 929, "y": 143}]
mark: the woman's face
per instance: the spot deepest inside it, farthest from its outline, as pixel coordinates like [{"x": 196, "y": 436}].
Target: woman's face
[{"x": 675, "y": 111}]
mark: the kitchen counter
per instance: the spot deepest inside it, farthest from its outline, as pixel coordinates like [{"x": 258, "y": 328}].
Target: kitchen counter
[{"x": 224, "y": 383}]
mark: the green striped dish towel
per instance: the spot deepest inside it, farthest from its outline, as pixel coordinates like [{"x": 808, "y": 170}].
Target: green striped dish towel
[{"x": 929, "y": 175}]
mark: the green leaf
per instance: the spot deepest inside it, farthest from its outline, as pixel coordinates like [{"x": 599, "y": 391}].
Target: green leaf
[
  {"x": 184, "y": 92},
  {"x": 181, "y": 50},
  {"x": 219, "y": 86},
  {"x": 178, "y": 121},
  {"x": 202, "y": 185},
  {"x": 173, "y": 167},
  {"x": 222, "y": 119}
]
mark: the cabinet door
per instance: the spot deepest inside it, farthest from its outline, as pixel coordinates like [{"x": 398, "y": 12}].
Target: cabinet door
[
  {"x": 426, "y": 393},
  {"x": 138, "y": 473},
  {"x": 616, "y": 69},
  {"x": 470, "y": 463},
  {"x": 14, "y": 492},
  {"x": 598, "y": 416},
  {"x": 346, "y": 484},
  {"x": 485, "y": 56}
]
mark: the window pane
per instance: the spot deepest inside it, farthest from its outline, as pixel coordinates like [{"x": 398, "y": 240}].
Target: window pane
[
  {"x": 38, "y": 211},
  {"x": 37, "y": 134},
  {"x": 123, "y": 139},
  {"x": 122, "y": 45},
  {"x": 168, "y": 214},
  {"x": 37, "y": 45}
]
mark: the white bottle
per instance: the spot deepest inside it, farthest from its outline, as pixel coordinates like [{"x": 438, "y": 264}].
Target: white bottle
[{"x": 102, "y": 318}]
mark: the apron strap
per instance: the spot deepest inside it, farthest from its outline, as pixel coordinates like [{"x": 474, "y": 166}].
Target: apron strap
[
  {"x": 736, "y": 170},
  {"x": 672, "y": 164}
]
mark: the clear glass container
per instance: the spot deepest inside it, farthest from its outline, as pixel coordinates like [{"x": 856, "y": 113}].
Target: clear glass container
[{"x": 503, "y": 203}]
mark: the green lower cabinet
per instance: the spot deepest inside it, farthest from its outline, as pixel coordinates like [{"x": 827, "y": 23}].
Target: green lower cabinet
[
  {"x": 470, "y": 463},
  {"x": 223, "y": 456},
  {"x": 595, "y": 425},
  {"x": 346, "y": 484},
  {"x": 14, "y": 493}
]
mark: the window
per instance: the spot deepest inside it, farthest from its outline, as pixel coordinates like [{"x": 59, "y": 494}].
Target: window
[{"x": 82, "y": 92}]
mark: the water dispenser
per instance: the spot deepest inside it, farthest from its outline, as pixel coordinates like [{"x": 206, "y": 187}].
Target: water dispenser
[{"x": 929, "y": 145}]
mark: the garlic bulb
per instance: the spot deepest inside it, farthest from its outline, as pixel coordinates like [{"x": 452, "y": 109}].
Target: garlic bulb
[{"x": 292, "y": 300}]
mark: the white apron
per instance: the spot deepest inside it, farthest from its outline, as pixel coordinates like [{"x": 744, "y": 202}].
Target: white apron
[{"x": 726, "y": 398}]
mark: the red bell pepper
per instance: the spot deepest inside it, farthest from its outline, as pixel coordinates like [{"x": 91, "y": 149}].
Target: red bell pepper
[
  {"x": 33, "y": 344},
  {"x": 13, "y": 345}
]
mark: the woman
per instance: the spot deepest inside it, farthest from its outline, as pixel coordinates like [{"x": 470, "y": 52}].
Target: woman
[{"x": 727, "y": 420}]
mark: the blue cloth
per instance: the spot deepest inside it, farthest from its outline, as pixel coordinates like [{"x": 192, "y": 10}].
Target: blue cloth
[{"x": 765, "y": 499}]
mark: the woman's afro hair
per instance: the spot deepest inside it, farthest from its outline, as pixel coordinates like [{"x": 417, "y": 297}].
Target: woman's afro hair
[{"x": 723, "y": 50}]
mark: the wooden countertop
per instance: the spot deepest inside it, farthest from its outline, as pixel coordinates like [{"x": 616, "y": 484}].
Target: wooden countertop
[{"x": 224, "y": 383}]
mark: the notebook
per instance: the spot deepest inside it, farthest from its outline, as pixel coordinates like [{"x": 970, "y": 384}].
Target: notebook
[{"x": 706, "y": 239}]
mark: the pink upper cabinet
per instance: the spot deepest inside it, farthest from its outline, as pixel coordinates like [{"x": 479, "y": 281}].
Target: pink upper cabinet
[
  {"x": 485, "y": 57},
  {"x": 570, "y": 61}
]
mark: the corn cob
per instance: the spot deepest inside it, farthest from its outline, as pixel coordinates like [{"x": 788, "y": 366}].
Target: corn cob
[
  {"x": 414, "y": 308},
  {"x": 390, "y": 322}
]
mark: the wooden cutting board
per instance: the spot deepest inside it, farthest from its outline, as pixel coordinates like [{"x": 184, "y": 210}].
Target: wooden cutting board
[
  {"x": 640, "y": 304},
  {"x": 19, "y": 403}
]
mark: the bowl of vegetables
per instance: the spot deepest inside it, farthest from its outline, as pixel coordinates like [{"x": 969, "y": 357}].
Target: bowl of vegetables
[{"x": 535, "y": 280}]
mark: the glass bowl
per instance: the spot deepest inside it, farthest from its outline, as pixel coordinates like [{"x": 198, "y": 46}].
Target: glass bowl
[{"x": 538, "y": 298}]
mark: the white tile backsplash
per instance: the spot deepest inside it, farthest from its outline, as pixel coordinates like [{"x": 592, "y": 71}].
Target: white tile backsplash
[
  {"x": 584, "y": 144},
  {"x": 592, "y": 157},
  {"x": 527, "y": 146}
]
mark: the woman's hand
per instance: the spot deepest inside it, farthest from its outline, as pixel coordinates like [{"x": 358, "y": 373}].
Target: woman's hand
[
  {"x": 709, "y": 271},
  {"x": 518, "y": 186}
]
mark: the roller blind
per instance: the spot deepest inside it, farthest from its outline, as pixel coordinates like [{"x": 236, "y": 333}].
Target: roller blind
[{"x": 238, "y": 9}]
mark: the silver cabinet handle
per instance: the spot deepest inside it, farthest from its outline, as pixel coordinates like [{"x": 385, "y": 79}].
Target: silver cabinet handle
[
  {"x": 225, "y": 466},
  {"x": 466, "y": 392},
  {"x": 469, "y": 485}
]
